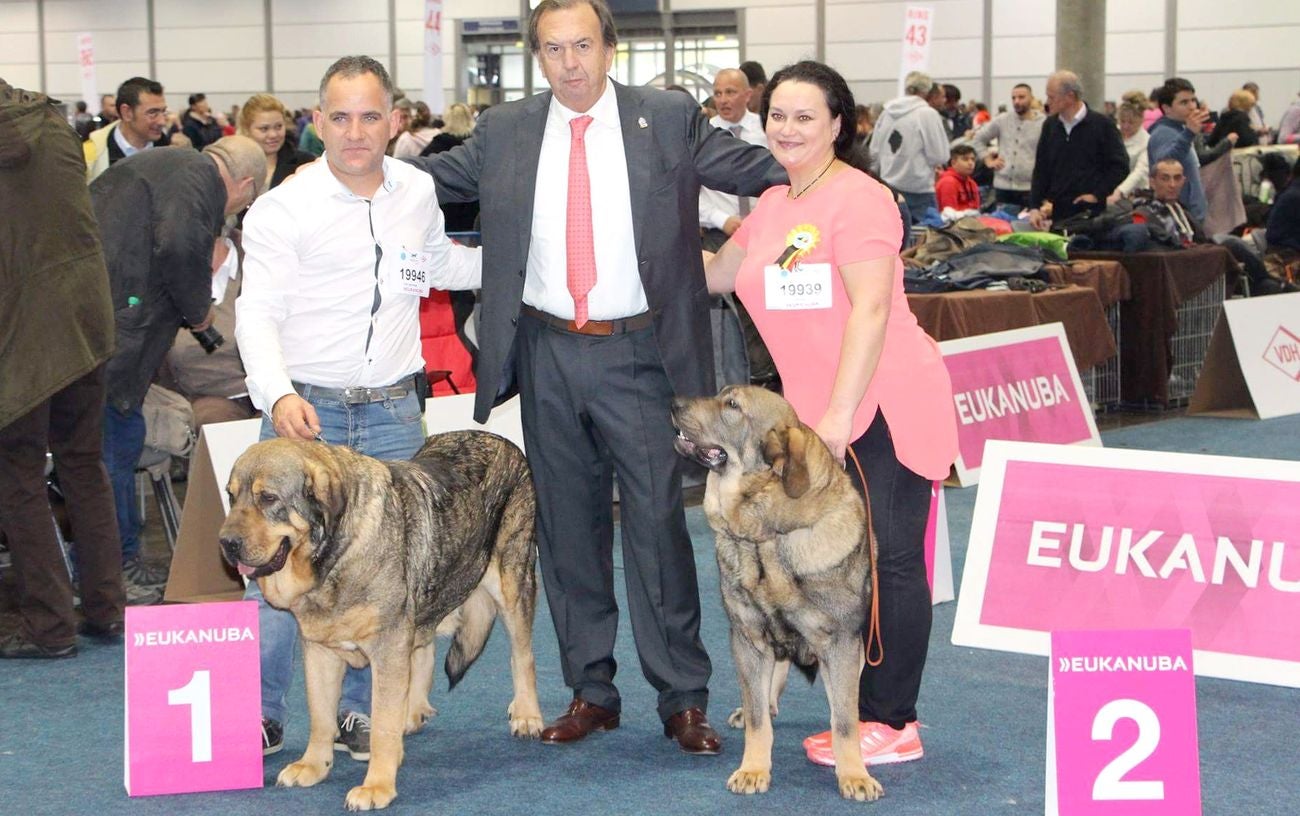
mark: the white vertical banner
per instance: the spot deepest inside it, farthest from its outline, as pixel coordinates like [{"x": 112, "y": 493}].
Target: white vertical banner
[
  {"x": 918, "y": 29},
  {"x": 86, "y": 59},
  {"x": 433, "y": 55}
]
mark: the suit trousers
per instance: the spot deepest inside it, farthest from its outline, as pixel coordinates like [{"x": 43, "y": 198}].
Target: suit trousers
[
  {"x": 593, "y": 408},
  {"x": 68, "y": 425},
  {"x": 900, "y": 507}
]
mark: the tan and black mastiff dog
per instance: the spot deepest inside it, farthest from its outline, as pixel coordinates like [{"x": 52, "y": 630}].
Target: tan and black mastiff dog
[
  {"x": 795, "y": 556},
  {"x": 373, "y": 558}
]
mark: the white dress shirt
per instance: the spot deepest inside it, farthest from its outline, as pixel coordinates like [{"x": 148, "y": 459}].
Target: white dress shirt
[
  {"x": 310, "y": 275},
  {"x": 128, "y": 149},
  {"x": 618, "y": 292},
  {"x": 716, "y": 207},
  {"x": 1069, "y": 124}
]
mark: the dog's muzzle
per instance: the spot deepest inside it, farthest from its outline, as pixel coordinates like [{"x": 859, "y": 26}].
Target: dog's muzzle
[
  {"x": 712, "y": 457},
  {"x": 231, "y": 548}
]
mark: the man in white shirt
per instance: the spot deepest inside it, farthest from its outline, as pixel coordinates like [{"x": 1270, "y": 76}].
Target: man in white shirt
[
  {"x": 721, "y": 213},
  {"x": 328, "y": 322}
]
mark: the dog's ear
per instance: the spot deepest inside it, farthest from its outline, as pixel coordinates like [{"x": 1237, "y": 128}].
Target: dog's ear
[
  {"x": 323, "y": 485},
  {"x": 785, "y": 449}
]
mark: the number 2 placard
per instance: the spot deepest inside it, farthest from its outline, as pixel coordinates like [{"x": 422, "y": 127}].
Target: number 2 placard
[
  {"x": 1122, "y": 736},
  {"x": 193, "y": 698}
]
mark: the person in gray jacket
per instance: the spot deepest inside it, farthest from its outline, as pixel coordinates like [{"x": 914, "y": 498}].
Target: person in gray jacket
[
  {"x": 909, "y": 142},
  {"x": 1012, "y": 161}
]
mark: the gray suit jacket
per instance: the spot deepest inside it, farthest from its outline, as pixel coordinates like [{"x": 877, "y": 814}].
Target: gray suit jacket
[{"x": 671, "y": 150}]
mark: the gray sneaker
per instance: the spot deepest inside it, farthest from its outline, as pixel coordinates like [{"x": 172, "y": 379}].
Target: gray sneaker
[
  {"x": 137, "y": 595},
  {"x": 138, "y": 571},
  {"x": 354, "y": 735}
]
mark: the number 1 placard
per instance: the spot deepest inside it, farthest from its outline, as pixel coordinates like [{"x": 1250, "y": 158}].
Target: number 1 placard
[
  {"x": 1122, "y": 724},
  {"x": 193, "y": 698}
]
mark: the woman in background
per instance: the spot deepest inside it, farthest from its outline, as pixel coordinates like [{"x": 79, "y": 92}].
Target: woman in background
[{"x": 262, "y": 119}]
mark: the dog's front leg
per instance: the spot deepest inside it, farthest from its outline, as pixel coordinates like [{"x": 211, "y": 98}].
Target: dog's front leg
[
  {"x": 754, "y": 663},
  {"x": 324, "y": 669},
  {"x": 390, "y": 679},
  {"x": 840, "y": 667}
]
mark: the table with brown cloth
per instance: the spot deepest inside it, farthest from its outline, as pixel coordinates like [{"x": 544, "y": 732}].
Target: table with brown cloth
[
  {"x": 1108, "y": 278},
  {"x": 950, "y": 315},
  {"x": 1160, "y": 282}
]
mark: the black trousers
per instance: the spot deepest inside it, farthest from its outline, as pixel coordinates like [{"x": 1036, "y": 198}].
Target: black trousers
[
  {"x": 900, "y": 507},
  {"x": 67, "y": 425},
  {"x": 593, "y": 408}
]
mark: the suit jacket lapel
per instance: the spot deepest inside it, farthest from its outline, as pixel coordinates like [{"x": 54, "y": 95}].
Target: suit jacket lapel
[
  {"x": 527, "y": 152},
  {"x": 638, "y": 144}
]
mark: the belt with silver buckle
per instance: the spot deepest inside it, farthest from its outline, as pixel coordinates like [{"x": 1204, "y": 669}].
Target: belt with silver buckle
[{"x": 360, "y": 395}]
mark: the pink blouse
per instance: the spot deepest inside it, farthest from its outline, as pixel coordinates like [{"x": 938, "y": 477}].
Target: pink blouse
[{"x": 854, "y": 218}]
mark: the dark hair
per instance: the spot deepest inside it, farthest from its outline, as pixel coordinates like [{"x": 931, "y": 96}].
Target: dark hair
[
  {"x": 608, "y": 32},
  {"x": 1173, "y": 86},
  {"x": 196, "y": 98},
  {"x": 754, "y": 72},
  {"x": 960, "y": 150},
  {"x": 1024, "y": 85},
  {"x": 128, "y": 93},
  {"x": 952, "y": 92},
  {"x": 349, "y": 67},
  {"x": 838, "y": 98}
]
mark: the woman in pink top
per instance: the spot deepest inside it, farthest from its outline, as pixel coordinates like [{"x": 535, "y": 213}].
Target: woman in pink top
[{"x": 816, "y": 264}]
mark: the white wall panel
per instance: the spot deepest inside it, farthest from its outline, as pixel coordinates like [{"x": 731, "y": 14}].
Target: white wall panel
[
  {"x": 302, "y": 74},
  {"x": 111, "y": 45},
  {"x": 1232, "y": 48},
  {"x": 1018, "y": 18},
  {"x": 1138, "y": 15},
  {"x": 1215, "y": 14},
  {"x": 1133, "y": 54},
  {"x": 230, "y": 76},
  {"x": 64, "y": 79},
  {"x": 327, "y": 11},
  {"x": 1024, "y": 56},
  {"x": 331, "y": 40},
  {"x": 463, "y": 9},
  {"x": 19, "y": 48},
  {"x": 28, "y": 77},
  {"x": 84, "y": 15},
  {"x": 205, "y": 13},
  {"x": 213, "y": 44},
  {"x": 787, "y": 24},
  {"x": 19, "y": 17}
]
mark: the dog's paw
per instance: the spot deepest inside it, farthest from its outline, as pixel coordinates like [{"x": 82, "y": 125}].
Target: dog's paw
[
  {"x": 302, "y": 774},
  {"x": 863, "y": 787},
  {"x": 419, "y": 714},
  {"x": 749, "y": 781},
  {"x": 736, "y": 719},
  {"x": 527, "y": 724},
  {"x": 370, "y": 797}
]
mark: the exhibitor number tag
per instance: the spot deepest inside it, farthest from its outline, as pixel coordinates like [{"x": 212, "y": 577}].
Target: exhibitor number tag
[{"x": 803, "y": 286}]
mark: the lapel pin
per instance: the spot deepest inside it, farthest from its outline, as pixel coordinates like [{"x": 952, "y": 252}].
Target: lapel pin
[{"x": 641, "y": 122}]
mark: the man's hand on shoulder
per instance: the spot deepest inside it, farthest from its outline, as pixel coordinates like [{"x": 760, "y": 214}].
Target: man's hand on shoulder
[{"x": 294, "y": 418}]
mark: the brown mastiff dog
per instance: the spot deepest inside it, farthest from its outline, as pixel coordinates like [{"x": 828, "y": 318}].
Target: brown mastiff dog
[
  {"x": 794, "y": 556},
  {"x": 373, "y": 558}
]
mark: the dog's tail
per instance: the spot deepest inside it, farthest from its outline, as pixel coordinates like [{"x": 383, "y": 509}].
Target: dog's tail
[{"x": 477, "y": 615}]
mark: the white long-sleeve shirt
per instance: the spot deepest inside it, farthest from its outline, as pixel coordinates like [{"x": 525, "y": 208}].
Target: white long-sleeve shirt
[
  {"x": 716, "y": 207},
  {"x": 306, "y": 311}
]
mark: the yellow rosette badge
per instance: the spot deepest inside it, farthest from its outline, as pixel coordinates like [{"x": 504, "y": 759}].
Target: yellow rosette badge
[{"x": 799, "y": 242}]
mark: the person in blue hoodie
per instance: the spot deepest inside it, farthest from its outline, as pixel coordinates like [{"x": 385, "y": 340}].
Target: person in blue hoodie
[{"x": 1174, "y": 136}]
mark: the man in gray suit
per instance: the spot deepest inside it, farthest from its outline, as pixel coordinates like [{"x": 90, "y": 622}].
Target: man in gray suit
[{"x": 594, "y": 301}]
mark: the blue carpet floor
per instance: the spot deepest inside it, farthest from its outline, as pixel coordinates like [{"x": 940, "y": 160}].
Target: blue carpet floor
[{"x": 984, "y": 716}]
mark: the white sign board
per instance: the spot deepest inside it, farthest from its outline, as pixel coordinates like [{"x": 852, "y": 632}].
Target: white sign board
[
  {"x": 1252, "y": 368},
  {"x": 433, "y": 95},
  {"x": 918, "y": 31}
]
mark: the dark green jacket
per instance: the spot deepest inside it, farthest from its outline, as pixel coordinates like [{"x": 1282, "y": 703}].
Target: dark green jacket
[{"x": 56, "y": 321}]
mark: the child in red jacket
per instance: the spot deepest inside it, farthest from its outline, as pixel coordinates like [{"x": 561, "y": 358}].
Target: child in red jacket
[{"x": 955, "y": 187}]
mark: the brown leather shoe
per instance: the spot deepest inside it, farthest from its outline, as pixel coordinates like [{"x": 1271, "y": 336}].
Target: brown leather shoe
[
  {"x": 580, "y": 720},
  {"x": 693, "y": 733}
]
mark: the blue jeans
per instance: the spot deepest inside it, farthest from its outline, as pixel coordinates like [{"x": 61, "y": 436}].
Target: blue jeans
[
  {"x": 123, "y": 444},
  {"x": 393, "y": 429},
  {"x": 918, "y": 203}
]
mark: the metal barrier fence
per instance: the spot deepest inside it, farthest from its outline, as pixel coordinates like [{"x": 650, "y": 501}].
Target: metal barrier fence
[
  {"x": 1101, "y": 382},
  {"x": 1196, "y": 318}
]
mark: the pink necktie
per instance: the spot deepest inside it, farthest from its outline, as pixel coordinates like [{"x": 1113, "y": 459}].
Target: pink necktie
[{"x": 580, "y": 245}]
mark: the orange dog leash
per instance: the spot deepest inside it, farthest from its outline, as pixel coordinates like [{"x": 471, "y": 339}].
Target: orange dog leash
[{"x": 873, "y": 639}]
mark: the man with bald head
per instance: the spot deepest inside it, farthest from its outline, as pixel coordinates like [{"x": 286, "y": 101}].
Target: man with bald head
[
  {"x": 1080, "y": 157},
  {"x": 721, "y": 213}
]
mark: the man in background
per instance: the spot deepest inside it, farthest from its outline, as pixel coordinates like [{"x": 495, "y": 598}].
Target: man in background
[
  {"x": 1016, "y": 132},
  {"x": 142, "y": 115},
  {"x": 909, "y": 143}
]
